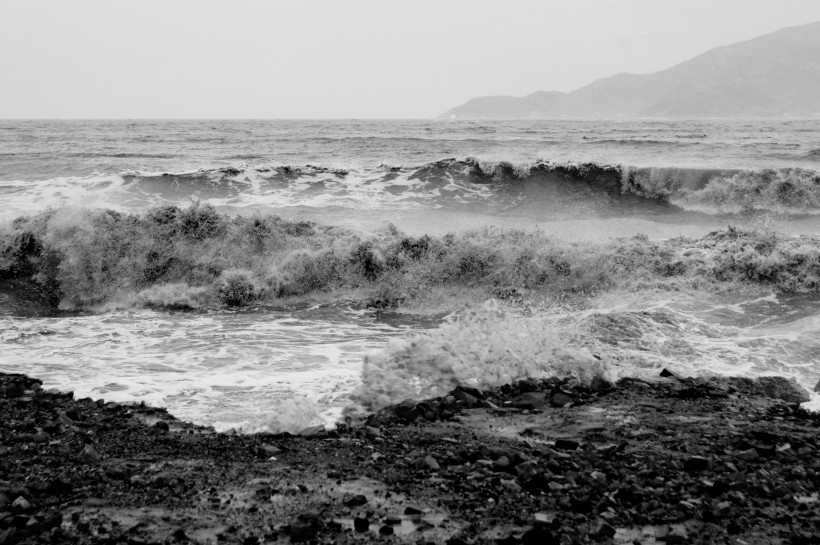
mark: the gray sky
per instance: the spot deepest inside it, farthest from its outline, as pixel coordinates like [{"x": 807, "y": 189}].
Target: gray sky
[{"x": 343, "y": 58}]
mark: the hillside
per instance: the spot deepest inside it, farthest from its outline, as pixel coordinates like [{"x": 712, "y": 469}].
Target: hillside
[{"x": 773, "y": 75}]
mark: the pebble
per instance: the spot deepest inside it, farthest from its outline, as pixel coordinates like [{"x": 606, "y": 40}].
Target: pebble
[
  {"x": 361, "y": 524},
  {"x": 88, "y": 455},
  {"x": 696, "y": 463},
  {"x": 560, "y": 399}
]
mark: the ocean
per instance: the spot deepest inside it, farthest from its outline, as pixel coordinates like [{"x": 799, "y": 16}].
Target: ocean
[{"x": 276, "y": 274}]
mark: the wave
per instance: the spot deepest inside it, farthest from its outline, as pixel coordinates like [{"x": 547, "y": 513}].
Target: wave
[
  {"x": 448, "y": 182},
  {"x": 188, "y": 258}
]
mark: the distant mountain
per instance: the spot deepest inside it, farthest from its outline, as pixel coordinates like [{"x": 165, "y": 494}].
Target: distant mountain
[{"x": 774, "y": 75}]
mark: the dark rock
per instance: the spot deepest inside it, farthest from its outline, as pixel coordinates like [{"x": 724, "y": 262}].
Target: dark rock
[
  {"x": 667, "y": 373},
  {"x": 386, "y": 530},
  {"x": 361, "y": 524},
  {"x": 529, "y": 400},
  {"x": 465, "y": 398},
  {"x": 671, "y": 534},
  {"x": 412, "y": 511},
  {"x": 88, "y": 455},
  {"x": 428, "y": 462},
  {"x": 392, "y": 521},
  {"x": 314, "y": 432},
  {"x": 162, "y": 425},
  {"x": 695, "y": 463},
  {"x": 600, "y": 385},
  {"x": 748, "y": 455},
  {"x": 20, "y": 505},
  {"x": 266, "y": 451},
  {"x": 428, "y": 410},
  {"x": 356, "y": 501},
  {"x": 566, "y": 444},
  {"x": 301, "y": 531},
  {"x": 560, "y": 399},
  {"x": 772, "y": 387},
  {"x": 604, "y": 531},
  {"x": 406, "y": 410},
  {"x": 817, "y": 387},
  {"x": 539, "y": 535}
]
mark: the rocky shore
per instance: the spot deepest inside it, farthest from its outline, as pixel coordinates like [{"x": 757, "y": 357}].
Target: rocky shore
[{"x": 673, "y": 460}]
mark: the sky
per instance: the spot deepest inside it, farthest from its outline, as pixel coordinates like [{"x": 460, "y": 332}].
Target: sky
[{"x": 343, "y": 58}]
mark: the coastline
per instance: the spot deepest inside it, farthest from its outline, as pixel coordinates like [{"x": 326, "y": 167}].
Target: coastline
[{"x": 671, "y": 460}]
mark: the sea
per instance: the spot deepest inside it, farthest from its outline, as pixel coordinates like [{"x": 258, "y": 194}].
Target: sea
[{"x": 583, "y": 186}]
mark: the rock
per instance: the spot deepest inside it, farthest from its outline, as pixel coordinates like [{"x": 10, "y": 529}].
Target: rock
[
  {"x": 386, "y": 530},
  {"x": 560, "y": 399},
  {"x": 361, "y": 524},
  {"x": 266, "y": 451},
  {"x": 773, "y": 387},
  {"x": 314, "y": 432},
  {"x": 465, "y": 398},
  {"x": 817, "y": 387},
  {"x": 539, "y": 535},
  {"x": 604, "y": 531},
  {"x": 782, "y": 388},
  {"x": 428, "y": 462},
  {"x": 356, "y": 501},
  {"x": 530, "y": 401},
  {"x": 695, "y": 463},
  {"x": 4, "y": 501},
  {"x": 667, "y": 373},
  {"x": 20, "y": 505},
  {"x": 748, "y": 455},
  {"x": 600, "y": 385},
  {"x": 301, "y": 531},
  {"x": 412, "y": 511},
  {"x": 88, "y": 455},
  {"x": 304, "y": 527},
  {"x": 162, "y": 425},
  {"x": 428, "y": 410},
  {"x": 566, "y": 444},
  {"x": 671, "y": 534},
  {"x": 406, "y": 410}
]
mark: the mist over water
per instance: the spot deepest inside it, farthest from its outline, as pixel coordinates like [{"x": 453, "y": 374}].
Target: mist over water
[{"x": 738, "y": 303}]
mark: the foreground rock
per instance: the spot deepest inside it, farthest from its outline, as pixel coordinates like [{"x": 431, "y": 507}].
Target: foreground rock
[{"x": 675, "y": 460}]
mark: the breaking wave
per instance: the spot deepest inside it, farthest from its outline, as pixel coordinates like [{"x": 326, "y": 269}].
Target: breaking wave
[{"x": 445, "y": 183}]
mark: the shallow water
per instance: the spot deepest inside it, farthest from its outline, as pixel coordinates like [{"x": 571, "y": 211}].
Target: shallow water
[{"x": 285, "y": 368}]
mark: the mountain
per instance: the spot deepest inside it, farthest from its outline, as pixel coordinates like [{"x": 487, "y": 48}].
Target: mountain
[{"x": 773, "y": 75}]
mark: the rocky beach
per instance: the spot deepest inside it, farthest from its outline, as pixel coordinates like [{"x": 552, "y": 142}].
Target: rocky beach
[{"x": 669, "y": 460}]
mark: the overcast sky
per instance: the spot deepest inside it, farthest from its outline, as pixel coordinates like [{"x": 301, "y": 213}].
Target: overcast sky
[{"x": 343, "y": 58}]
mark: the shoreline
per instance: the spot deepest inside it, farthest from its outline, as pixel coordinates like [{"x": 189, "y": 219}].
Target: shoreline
[{"x": 671, "y": 460}]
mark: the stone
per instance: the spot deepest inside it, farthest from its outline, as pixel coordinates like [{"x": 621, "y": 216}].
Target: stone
[
  {"x": 530, "y": 401},
  {"x": 539, "y": 535},
  {"x": 20, "y": 505},
  {"x": 386, "y": 530},
  {"x": 600, "y": 384},
  {"x": 666, "y": 373},
  {"x": 783, "y": 388},
  {"x": 671, "y": 534},
  {"x": 428, "y": 462},
  {"x": 266, "y": 451},
  {"x": 361, "y": 524},
  {"x": 695, "y": 463},
  {"x": 314, "y": 432},
  {"x": 356, "y": 501},
  {"x": 604, "y": 531},
  {"x": 162, "y": 425},
  {"x": 406, "y": 410},
  {"x": 412, "y": 511},
  {"x": 560, "y": 399},
  {"x": 817, "y": 387},
  {"x": 301, "y": 531},
  {"x": 566, "y": 444},
  {"x": 748, "y": 455},
  {"x": 88, "y": 455}
]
